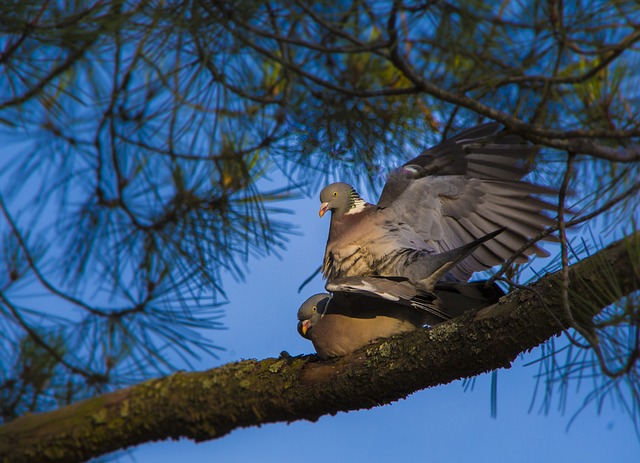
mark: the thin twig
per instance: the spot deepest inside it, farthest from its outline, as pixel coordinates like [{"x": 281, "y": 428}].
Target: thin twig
[
  {"x": 562, "y": 195},
  {"x": 38, "y": 340}
]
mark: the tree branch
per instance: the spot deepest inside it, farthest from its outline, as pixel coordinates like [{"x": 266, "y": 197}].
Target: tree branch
[{"x": 207, "y": 405}]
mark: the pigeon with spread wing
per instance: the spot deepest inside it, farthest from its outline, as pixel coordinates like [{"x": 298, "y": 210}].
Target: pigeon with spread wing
[{"x": 457, "y": 192}]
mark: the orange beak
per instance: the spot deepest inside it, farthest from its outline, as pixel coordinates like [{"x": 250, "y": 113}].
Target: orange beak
[
  {"x": 324, "y": 207},
  {"x": 304, "y": 327}
]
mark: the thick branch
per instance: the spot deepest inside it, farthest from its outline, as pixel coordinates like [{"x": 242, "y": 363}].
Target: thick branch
[{"x": 206, "y": 405}]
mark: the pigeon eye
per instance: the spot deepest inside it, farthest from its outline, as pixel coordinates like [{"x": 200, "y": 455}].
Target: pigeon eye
[
  {"x": 315, "y": 309},
  {"x": 335, "y": 193}
]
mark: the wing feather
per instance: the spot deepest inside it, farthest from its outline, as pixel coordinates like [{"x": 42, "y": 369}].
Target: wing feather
[
  {"x": 450, "y": 212},
  {"x": 382, "y": 293}
]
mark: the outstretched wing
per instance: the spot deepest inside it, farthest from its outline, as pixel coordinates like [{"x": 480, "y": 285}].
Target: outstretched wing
[{"x": 467, "y": 187}]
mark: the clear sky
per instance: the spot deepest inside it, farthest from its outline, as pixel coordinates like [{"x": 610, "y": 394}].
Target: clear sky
[{"x": 440, "y": 424}]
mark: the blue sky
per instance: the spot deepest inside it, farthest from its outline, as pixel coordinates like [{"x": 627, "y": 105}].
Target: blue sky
[{"x": 440, "y": 424}]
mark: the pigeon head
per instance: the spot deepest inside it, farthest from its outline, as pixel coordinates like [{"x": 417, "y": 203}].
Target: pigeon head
[
  {"x": 310, "y": 312},
  {"x": 339, "y": 198}
]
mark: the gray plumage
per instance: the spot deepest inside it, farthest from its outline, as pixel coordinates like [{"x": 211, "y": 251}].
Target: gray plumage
[
  {"x": 362, "y": 309},
  {"x": 452, "y": 194}
]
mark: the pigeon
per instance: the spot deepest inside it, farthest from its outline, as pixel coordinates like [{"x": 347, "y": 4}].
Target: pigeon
[
  {"x": 362, "y": 309},
  {"x": 452, "y": 194}
]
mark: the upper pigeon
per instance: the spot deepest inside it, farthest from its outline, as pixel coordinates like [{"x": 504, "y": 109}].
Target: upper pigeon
[{"x": 452, "y": 194}]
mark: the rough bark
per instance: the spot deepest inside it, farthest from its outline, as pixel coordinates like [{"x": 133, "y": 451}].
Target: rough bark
[{"x": 209, "y": 404}]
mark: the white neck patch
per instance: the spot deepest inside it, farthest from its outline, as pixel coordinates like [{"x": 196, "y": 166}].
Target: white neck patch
[{"x": 358, "y": 205}]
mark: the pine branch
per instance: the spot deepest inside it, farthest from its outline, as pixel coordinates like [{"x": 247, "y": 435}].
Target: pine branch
[{"x": 207, "y": 405}]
